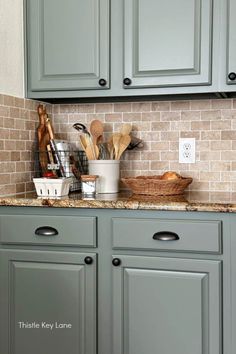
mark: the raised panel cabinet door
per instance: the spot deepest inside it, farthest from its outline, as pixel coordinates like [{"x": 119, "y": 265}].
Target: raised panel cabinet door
[
  {"x": 166, "y": 306},
  {"x": 231, "y": 41},
  {"x": 167, "y": 43},
  {"x": 67, "y": 44},
  {"x": 47, "y": 303}
]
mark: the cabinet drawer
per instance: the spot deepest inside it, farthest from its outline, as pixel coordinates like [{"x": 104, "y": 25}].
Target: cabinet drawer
[
  {"x": 46, "y": 230},
  {"x": 192, "y": 235}
]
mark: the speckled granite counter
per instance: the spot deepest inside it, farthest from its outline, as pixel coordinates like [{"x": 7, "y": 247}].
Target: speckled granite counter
[{"x": 191, "y": 201}]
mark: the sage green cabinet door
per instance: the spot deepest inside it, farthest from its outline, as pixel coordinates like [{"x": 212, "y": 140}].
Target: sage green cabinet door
[
  {"x": 167, "y": 43},
  {"x": 231, "y": 54},
  {"x": 166, "y": 306},
  {"x": 48, "y": 303},
  {"x": 67, "y": 44}
]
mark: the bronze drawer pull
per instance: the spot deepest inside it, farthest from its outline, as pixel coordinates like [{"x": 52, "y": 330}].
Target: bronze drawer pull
[
  {"x": 165, "y": 236},
  {"x": 46, "y": 231}
]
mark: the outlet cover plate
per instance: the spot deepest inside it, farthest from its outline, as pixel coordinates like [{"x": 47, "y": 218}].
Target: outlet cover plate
[{"x": 187, "y": 150}]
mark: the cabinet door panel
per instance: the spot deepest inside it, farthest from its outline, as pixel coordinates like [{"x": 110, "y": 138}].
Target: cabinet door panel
[
  {"x": 68, "y": 43},
  {"x": 166, "y": 306},
  {"x": 49, "y": 303},
  {"x": 167, "y": 43},
  {"x": 231, "y": 39}
]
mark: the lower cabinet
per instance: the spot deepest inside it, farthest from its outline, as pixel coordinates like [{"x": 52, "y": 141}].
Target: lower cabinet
[
  {"x": 48, "y": 302},
  {"x": 166, "y": 305}
]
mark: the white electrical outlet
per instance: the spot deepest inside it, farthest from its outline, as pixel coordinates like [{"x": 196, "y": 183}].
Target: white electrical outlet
[{"x": 187, "y": 150}]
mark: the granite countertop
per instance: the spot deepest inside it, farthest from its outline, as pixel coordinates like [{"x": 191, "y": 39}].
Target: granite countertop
[{"x": 190, "y": 201}]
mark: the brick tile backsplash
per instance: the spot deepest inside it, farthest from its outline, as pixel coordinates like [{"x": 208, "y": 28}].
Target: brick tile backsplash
[{"x": 212, "y": 122}]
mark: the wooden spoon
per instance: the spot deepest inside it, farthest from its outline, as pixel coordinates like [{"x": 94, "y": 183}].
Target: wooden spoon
[
  {"x": 123, "y": 144},
  {"x": 116, "y": 143},
  {"x": 96, "y": 130},
  {"x": 83, "y": 142},
  {"x": 126, "y": 129}
]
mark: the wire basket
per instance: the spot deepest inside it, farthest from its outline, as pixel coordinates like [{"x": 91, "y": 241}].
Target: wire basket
[
  {"x": 154, "y": 185},
  {"x": 66, "y": 164}
]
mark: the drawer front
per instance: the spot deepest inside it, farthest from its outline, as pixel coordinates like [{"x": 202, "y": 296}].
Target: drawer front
[
  {"x": 167, "y": 235},
  {"x": 48, "y": 230}
]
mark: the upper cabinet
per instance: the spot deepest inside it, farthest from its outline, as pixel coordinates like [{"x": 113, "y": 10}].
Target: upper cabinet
[
  {"x": 231, "y": 42},
  {"x": 67, "y": 44},
  {"x": 167, "y": 43},
  {"x": 102, "y": 48}
]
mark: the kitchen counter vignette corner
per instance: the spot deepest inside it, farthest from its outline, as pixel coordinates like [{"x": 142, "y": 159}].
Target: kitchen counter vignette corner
[{"x": 112, "y": 257}]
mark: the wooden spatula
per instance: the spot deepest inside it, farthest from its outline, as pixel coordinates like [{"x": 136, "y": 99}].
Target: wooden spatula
[
  {"x": 126, "y": 129},
  {"x": 123, "y": 144}
]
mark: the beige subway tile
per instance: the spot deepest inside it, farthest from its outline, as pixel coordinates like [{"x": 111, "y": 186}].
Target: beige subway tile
[
  {"x": 221, "y": 103},
  {"x": 25, "y": 155},
  {"x": 228, "y": 176},
  {"x": 170, "y": 116},
  {"x": 2, "y": 144},
  {"x": 160, "y": 106},
  {"x": 209, "y": 155},
  {"x": 104, "y": 107},
  {"x": 228, "y": 114},
  {"x": 221, "y": 125},
  {"x": 199, "y": 186},
  {"x": 179, "y": 168},
  {"x": 202, "y": 145},
  {"x": 19, "y": 102},
  {"x": 201, "y": 125},
  {"x": 190, "y": 115},
  {"x": 20, "y": 166},
  {"x": 180, "y": 105},
  {"x": 132, "y": 117},
  {"x": 113, "y": 117},
  {"x": 169, "y": 136},
  {"x": 202, "y": 165},
  {"x": 33, "y": 116},
  {"x": 20, "y": 188},
  {"x": 219, "y": 197},
  {"x": 8, "y": 100},
  {"x": 211, "y": 115},
  {"x": 151, "y": 116},
  {"x": 30, "y": 125},
  {"x": 15, "y": 156},
  {"x": 209, "y": 176},
  {"x": 169, "y": 155},
  {"x": 228, "y": 155},
  {"x": 29, "y": 186},
  {"x": 7, "y": 167},
  {"x": 23, "y": 135},
  {"x": 220, "y": 145},
  {"x": 125, "y": 165},
  {"x": 55, "y": 109},
  {"x": 200, "y": 104},
  {"x": 4, "y": 134},
  {"x": 93, "y": 116},
  {"x": 234, "y": 103},
  {"x": 9, "y": 123},
  {"x": 4, "y": 111},
  {"x": 1, "y": 98},
  {"x": 9, "y": 145},
  {"x": 7, "y": 189},
  {"x": 150, "y": 155},
  {"x": 5, "y": 156},
  {"x": 2, "y": 122},
  {"x": 210, "y": 135},
  {"x": 122, "y": 107},
  {"x": 63, "y": 118},
  {"x": 160, "y": 165},
  {"x": 180, "y": 125},
  {"x": 14, "y": 112},
  {"x": 220, "y": 166},
  {"x": 228, "y": 135},
  {"x": 233, "y": 165},
  {"x": 20, "y": 124},
  {"x": 160, "y": 145},
  {"x": 140, "y": 165},
  {"x": 160, "y": 126},
  {"x": 190, "y": 134},
  {"x": 150, "y": 136},
  {"x": 141, "y": 107},
  {"x": 4, "y": 178},
  {"x": 233, "y": 142}
]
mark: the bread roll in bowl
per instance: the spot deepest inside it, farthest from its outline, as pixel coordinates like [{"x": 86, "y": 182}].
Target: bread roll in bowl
[{"x": 170, "y": 175}]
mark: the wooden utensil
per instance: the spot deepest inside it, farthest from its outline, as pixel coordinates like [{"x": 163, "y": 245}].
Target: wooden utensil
[
  {"x": 126, "y": 129},
  {"x": 116, "y": 143},
  {"x": 123, "y": 144},
  {"x": 83, "y": 142},
  {"x": 96, "y": 130},
  {"x": 43, "y": 138}
]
